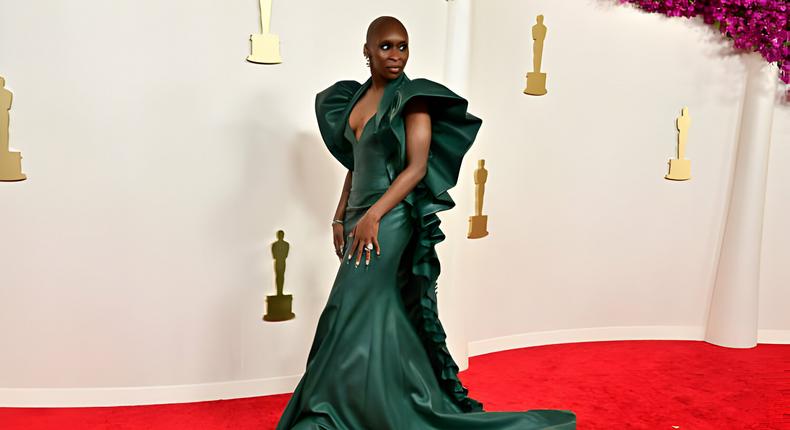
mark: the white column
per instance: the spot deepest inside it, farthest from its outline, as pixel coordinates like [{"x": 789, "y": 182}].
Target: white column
[
  {"x": 458, "y": 45},
  {"x": 451, "y": 294},
  {"x": 732, "y": 321}
]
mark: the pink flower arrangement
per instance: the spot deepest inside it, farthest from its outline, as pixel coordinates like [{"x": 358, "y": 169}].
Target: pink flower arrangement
[{"x": 753, "y": 25}]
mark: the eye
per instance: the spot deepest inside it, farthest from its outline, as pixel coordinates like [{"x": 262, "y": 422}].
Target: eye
[
  {"x": 385, "y": 46},
  {"x": 404, "y": 47}
]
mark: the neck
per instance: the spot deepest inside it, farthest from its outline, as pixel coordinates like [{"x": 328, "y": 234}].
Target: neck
[{"x": 378, "y": 83}]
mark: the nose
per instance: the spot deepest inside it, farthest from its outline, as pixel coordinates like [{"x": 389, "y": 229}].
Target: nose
[{"x": 396, "y": 56}]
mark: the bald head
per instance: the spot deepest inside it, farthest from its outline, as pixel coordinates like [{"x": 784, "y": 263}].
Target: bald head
[
  {"x": 381, "y": 25},
  {"x": 386, "y": 48}
]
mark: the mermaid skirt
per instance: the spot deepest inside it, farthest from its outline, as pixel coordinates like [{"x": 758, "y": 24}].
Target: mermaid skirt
[{"x": 367, "y": 367}]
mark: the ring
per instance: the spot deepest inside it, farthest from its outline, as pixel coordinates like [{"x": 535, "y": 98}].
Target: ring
[{"x": 369, "y": 247}]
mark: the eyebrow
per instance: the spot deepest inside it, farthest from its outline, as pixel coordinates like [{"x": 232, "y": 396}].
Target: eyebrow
[{"x": 392, "y": 42}]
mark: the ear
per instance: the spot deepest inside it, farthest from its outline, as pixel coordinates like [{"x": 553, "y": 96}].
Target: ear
[{"x": 365, "y": 50}]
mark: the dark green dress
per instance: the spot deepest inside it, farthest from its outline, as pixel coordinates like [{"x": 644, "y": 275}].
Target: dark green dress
[{"x": 379, "y": 359}]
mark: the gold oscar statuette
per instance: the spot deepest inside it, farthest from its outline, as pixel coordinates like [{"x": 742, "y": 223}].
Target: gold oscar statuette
[
  {"x": 10, "y": 162},
  {"x": 478, "y": 223},
  {"x": 265, "y": 46},
  {"x": 680, "y": 168},
  {"x": 536, "y": 81},
  {"x": 278, "y": 307}
]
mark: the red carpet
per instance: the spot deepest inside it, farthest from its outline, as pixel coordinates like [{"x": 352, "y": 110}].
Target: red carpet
[{"x": 610, "y": 385}]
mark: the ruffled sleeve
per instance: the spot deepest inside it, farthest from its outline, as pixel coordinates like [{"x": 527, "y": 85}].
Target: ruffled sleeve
[
  {"x": 331, "y": 105},
  {"x": 453, "y": 131}
]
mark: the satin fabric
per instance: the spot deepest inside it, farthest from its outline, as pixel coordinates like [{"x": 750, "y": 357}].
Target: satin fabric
[{"x": 379, "y": 359}]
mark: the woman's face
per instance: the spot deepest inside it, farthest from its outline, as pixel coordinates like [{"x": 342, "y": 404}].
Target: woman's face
[{"x": 388, "y": 50}]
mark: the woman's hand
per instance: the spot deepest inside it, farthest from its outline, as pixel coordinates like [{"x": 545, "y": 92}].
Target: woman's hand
[
  {"x": 365, "y": 232},
  {"x": 337, "y": 236}
]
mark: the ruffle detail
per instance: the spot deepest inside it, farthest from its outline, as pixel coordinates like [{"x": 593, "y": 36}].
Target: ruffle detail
[
  {"x": 331, "y": 109},
  {"x": 453, "y": 131},
  {"x": 420, "y": 300}
]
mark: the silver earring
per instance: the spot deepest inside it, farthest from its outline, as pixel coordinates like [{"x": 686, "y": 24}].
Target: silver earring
[{"x": 367, "y": 61}]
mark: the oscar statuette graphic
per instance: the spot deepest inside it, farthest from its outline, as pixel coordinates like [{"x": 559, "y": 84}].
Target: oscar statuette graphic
[
  {"x": 536, "y": 81},
  {"x": 278, "y": 307},
  {"x": 10, "y": 162},
  {"x": 265, "y": 46},
  {"x": 478, "y": 223},
  {"x": 680, "y": 168}
]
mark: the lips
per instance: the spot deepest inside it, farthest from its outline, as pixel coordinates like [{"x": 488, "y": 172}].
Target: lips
[{"x": 394, "y": 69}]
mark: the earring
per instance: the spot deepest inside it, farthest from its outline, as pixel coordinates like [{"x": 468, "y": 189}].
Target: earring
[{"x": 367, "y": 61}]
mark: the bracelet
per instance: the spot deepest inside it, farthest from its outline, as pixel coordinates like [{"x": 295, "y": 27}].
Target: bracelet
[{"x": 337, "y": 221}]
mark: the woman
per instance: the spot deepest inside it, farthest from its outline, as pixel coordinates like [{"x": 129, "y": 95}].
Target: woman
[{"x": 379, "y": 360}]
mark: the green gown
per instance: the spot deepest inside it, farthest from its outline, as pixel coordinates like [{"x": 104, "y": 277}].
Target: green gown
[{"x": 378, "y": 360}]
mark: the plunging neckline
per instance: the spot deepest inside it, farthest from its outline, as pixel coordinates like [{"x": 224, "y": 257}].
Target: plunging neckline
[
  {"x": 367, "y": 85},
  {"x": 364, "y": 126},
  {"x": 386, "y": 97}
]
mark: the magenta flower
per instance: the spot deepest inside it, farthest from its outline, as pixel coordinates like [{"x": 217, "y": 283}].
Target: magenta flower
[{"x": 753, "y": 25}]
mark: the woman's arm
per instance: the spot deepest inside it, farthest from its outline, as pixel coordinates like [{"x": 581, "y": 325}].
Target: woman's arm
[
  {"x": 418, "y": 142},
  {"x": 340, "y": 212}
]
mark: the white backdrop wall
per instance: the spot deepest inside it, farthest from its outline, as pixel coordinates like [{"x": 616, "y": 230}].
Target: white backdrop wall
[
  {"x": 585, "y": 231},
  {"x": 161, "y": 164}
]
